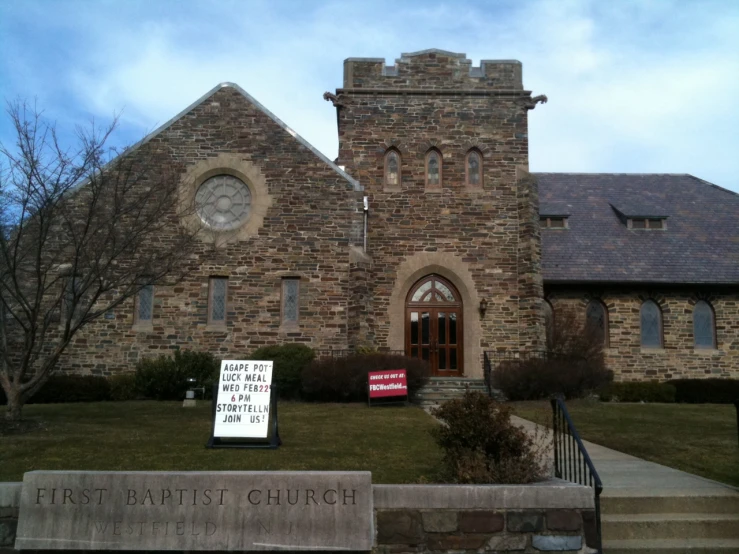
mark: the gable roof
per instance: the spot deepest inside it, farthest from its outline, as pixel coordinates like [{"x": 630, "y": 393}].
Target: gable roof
[
  {"x": 261, "y": 108},
  {"x": 699, "y": 245}
]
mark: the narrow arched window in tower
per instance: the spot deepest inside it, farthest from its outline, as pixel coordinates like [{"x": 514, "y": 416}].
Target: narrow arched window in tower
[
  {"x": 392, "y": 168},
  {"x": 474, "y": 169},
  {"x": 433, "y": 169},
  {"x": 704, "y": 325},
  {"x": 651, "y": 325},
  {"x": 548, "y": 322},
  {"x": 596, "y": 318}
]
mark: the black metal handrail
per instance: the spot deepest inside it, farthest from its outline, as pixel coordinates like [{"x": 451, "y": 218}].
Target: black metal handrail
[{"x": 572, "y": 461}]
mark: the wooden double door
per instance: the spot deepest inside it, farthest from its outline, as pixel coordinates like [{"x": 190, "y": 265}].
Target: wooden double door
[{"x": 433, "y": 325}]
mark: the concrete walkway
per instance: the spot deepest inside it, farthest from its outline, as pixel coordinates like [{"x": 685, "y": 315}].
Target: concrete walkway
[{"x": 625, "y": 475}]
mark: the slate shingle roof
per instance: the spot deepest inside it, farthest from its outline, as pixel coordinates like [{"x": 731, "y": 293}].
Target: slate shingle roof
[{"x": 700, "y": 244}]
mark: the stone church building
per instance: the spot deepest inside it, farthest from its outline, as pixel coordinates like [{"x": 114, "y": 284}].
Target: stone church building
[{"x": 428, "y": 235}]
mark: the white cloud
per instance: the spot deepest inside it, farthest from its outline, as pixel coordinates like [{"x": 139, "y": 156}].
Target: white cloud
[{"x": 633, "y": 86}]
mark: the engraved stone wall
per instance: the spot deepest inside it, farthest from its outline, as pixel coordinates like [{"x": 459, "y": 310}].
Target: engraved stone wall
[{"x": 143, "y": 511}]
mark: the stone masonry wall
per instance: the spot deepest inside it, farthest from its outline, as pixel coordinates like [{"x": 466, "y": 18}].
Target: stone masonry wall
[
  {"x": 435, "y": 99},
  {"x": 485, "y": 530},
  {"x": 10, "y": 502},
  {"x": 432, "y": 69},
  {"x": 546, "y": 517},
  {"x": 314, "y": 216},
  {"x": 678, "y": 358}
]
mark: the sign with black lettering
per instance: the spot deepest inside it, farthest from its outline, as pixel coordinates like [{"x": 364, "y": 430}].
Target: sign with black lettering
[
  {"x": 242, "y": 406},
  {"x": 243, "y": 401}
]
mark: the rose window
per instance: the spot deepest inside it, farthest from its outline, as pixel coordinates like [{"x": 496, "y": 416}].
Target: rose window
[{"x": 223, "y": 202}]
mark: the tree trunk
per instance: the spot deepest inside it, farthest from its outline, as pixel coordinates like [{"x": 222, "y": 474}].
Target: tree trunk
[{"x": 13, "y": 412}]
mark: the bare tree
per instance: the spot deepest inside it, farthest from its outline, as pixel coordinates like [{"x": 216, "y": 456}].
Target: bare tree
[{"x": 82, "y": 229}]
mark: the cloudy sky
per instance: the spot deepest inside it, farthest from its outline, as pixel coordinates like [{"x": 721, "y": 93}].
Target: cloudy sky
[{"x": 633, "y": 86}]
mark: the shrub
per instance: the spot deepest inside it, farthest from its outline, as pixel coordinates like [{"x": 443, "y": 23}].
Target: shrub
[
  {"x": 201, "y": 366},
  {"x": 538, "y": 378},
  {"x": 706, "y": 391},
  {"x": 572, "y": 366},
  {"x": 646, "y": 391},
  {"x": 165, "y": 378},
  {"x": 158, "y": 378},
  {"x": 481, "y": 445},
  {"x": 122, "y": 386},
  {"x": 289, "y": 361},
  {"x": 345, "y": 379},
  {"x": 569, "y": 337},
  {"x": 69, "y": 388}
]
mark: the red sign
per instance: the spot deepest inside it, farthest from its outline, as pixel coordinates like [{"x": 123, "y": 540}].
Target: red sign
[{"x": 391, "y": 382}]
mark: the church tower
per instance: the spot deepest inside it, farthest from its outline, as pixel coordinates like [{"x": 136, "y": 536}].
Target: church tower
[{"x": 441, "y": 149}]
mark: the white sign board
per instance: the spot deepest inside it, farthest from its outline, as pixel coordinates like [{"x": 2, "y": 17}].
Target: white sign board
[{"x": 242, "y": 406}]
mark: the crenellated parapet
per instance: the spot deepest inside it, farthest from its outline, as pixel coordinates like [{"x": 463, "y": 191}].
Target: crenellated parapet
[{"x": 432, "y": 69}]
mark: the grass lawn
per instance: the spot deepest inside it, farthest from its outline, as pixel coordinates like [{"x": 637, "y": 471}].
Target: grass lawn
[
  {"x": 697, "y": 438},
  {"x": 393, "y": 443}
]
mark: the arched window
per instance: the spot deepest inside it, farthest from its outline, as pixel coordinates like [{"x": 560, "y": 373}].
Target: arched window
[
  {"x": 596, "y": 319},
  {"x": 704, "y": 325},
  {"x": 548, "y": 321},
  {"x": 392, "y": 168},
  {"x": 433, "y": 168},
  {"x": 473, "y": 169},
  {"x": 651, "y": 325}
]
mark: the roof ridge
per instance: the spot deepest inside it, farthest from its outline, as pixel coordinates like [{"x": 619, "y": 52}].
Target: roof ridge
[
  {"x": 606, "y": 173},
  {"x": 688, "y": 175},
  {"x": 719, "y": 187},
  {"x": 227, "y": 84}
]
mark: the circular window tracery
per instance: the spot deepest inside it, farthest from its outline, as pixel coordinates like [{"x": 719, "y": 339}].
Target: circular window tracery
[{"x": 223, "y": 202}]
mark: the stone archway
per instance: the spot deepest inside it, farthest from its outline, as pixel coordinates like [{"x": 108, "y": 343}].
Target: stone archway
[
  {"x": 434, "y": 326},
  {"x": 454, "y": 270}
]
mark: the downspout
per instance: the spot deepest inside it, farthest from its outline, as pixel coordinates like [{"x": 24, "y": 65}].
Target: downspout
[{"x": 366, "y": 213}]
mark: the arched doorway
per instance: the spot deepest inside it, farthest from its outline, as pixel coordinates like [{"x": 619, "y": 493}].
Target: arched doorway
[{"x": 433, "y": 325}]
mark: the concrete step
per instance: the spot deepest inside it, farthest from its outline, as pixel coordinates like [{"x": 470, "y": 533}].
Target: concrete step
[
  {"x": 696, "y": 504},
  {"x": 455, "y": 381},
  {"x": 456, "y": 390},
  {"x": 670, "y": 526},
  {"x": 671, "y": 546},
  {"x": 442, "y": 389},
  {"x": 436, "y": 398},
  {"x": 450, "y": 392}
]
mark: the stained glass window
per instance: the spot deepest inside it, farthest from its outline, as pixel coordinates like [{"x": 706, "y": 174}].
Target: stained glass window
[
  {"x": 473, "y": 168},
  {"x": 145, "y": 306},
  {"x": 703, "y": 325},
  {"x": 433, "y": 290},
  {"x": 548, "y": 321},
  {"x": 418, "y": 295},
  {"x": 223, "y": 202},
  {"x": 290, "y": 300},
  {"x": 392, "y": 169},
  {"x": 441, "y": 287},
  {"x": 651, "y": 325},
  {"x": 218, "y": 286},
  {"x": 72, "y": 297},
  {"x": 433, "y": 169},
  {"x": 597, "y": 320}
]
